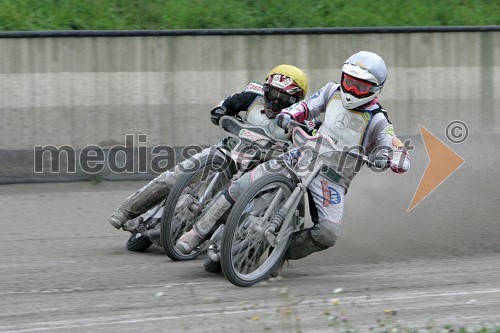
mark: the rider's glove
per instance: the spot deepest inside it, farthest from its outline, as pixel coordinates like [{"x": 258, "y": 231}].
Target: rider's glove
[
  {"x": 216, "y": 114},
  {"x": 283, "y": 120},
  {"x": 381, "y": 161},
  {"x": 400, "y": 161}
]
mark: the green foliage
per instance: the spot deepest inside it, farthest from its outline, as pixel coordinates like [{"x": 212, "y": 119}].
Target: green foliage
[{"x": 240, "y": 14}]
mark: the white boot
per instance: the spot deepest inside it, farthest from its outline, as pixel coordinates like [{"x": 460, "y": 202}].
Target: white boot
[
  {"x": 118, "y": 218},
  {"x": 190, "y": 240},
  {"x": 139, "y": 202}
]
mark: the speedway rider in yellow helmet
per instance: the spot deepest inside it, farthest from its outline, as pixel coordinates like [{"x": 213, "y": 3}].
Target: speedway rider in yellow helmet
[{"x": 284, "y": 85}]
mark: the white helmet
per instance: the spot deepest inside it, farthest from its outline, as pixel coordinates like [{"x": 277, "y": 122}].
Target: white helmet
[{"x": 363, "y": 76}]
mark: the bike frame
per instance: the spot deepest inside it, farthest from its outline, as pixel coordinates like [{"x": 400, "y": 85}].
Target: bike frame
[{"x": 285, "y": 215}]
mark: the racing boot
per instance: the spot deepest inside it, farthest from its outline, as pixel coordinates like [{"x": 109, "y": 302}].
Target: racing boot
[
  {"x": 200, "y": 231},
  {"x": 119, "y": 218},
  {"x": 139, "y": 202}
]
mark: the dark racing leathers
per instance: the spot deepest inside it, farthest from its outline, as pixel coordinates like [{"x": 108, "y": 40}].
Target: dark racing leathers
[
  {"x": 250, "y": 100},
  {"x": 366, "y": 129}
]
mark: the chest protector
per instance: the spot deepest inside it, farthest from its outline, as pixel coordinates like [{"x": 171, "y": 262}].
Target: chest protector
[
  {"x": 345, "y": 127},
  {"x": 255, "y": 116}
]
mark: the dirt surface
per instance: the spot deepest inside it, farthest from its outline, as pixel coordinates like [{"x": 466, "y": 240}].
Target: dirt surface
[{"x": 63, "y": 268}]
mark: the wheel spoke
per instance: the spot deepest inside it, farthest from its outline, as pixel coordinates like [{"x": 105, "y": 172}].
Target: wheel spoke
[
  {"x": 249, "y": 241},
  {"x": 247, "y": 256},
  {"x": 191, "y": 193}
]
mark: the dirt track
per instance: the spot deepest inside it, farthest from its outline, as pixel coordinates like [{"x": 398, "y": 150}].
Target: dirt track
[{"x": 64, "y": 269}]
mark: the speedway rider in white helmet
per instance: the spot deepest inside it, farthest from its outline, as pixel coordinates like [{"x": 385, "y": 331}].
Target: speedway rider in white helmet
[
  {"x": 353, "y": 119},
  {"x": 284, "y": 85}
]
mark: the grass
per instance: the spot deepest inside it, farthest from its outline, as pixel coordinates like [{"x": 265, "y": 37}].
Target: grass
[{"x": 21, "y": 15}]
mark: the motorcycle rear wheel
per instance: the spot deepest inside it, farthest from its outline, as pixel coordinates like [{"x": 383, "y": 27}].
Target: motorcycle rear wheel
[
  {"x": 246, "y": 255},
  {"x": 191, "y": 186},
  {"x": 138, "y": 243},
  {"x": 212, "y": 266}
]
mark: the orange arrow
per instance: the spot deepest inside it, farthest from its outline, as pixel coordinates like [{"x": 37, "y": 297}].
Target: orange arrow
[{"x": 443, "y": 161}]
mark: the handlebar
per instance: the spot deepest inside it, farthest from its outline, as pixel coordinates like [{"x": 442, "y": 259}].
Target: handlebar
[
  {"x": 379, "y": 163},
  {"x": 293, "y": 124}
]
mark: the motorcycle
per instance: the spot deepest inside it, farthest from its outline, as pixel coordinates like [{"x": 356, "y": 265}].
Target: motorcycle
[
  {"x": 246, "y": 146},
  {"x": 260, "y": 225}
]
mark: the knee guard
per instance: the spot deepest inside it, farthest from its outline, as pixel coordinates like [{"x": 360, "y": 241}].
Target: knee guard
[
  {"x": 302, "y": 245},
  {"x": 325, "y": 233},
  {"x": 238, "y": 187}
]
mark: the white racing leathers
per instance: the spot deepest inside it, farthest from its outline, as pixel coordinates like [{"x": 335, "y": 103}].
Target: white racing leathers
[
  {"x": 250, "y": 100},
  {"x": 366, "y": 129}
]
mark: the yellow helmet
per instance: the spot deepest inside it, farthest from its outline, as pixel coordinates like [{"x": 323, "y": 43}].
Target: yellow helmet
[
  {"x": 284, "y": 85},
  {"x": 295, "y": 73}
]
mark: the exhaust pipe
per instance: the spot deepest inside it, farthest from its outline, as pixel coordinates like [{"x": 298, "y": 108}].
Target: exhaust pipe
[{"x": 155, "y": 233}]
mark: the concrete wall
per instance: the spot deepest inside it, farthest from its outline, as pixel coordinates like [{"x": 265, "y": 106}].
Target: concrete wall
[
  {"x": 86, "y": 90},
  {"x": 83, "y": 91}
]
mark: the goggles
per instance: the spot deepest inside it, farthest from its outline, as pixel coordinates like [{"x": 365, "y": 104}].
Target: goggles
[
  {"x": 283, "y": 98},
  {"x": 357, "y": 87}
]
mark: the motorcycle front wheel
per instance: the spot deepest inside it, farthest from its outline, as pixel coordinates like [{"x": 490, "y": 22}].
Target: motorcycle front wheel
[
  {"x": 246, "y": 255},
  {"x": 187, "y": 199}
]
